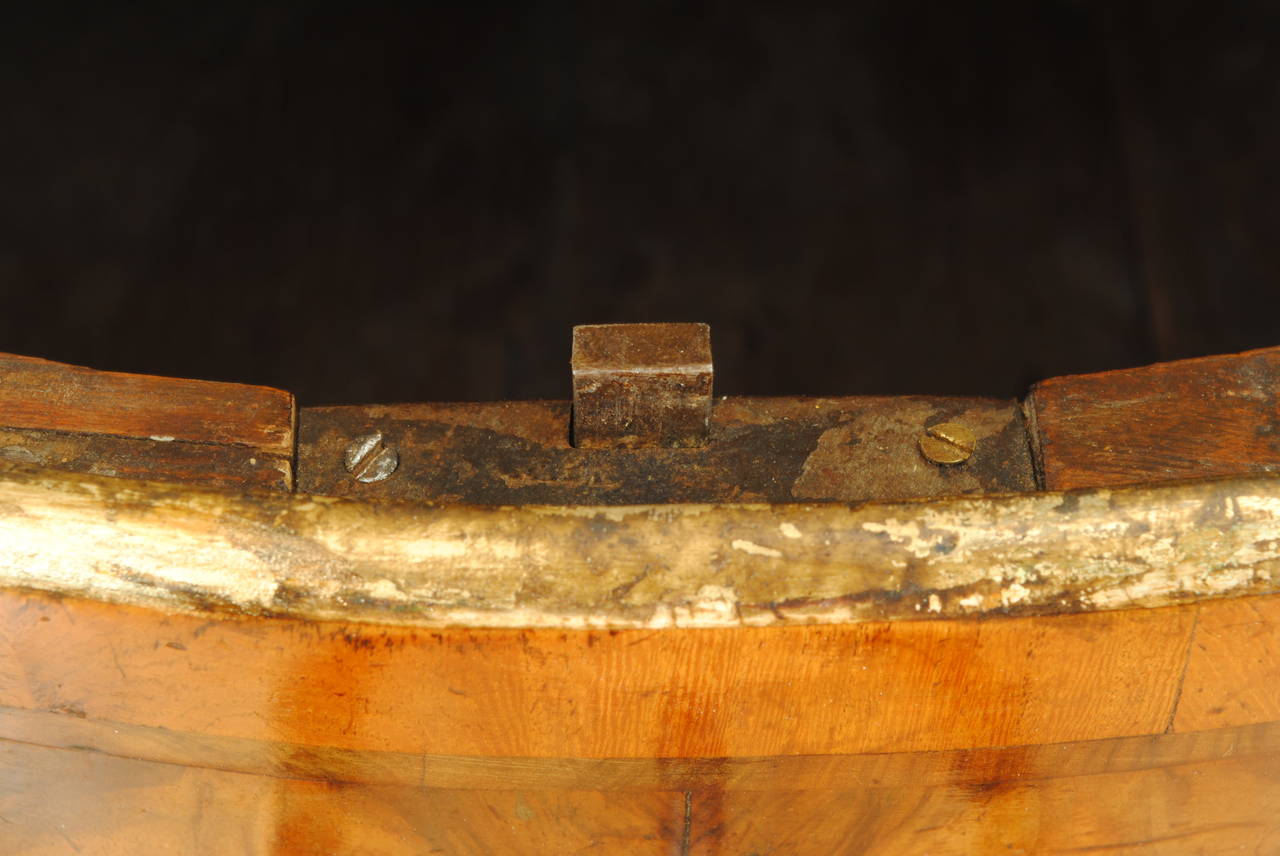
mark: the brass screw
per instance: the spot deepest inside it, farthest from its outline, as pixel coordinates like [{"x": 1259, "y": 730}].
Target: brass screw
[
  {"x": 369, "y": 459},
  {"x": 947, "y": 443}
]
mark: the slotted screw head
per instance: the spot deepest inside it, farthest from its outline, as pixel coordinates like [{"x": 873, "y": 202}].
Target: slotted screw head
[
  {"x": 370, "y": 459},
  {"x": 947, "y": 443}
]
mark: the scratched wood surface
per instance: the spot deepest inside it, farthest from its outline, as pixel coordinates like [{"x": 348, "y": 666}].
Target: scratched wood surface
[
  {"x": 171, "y": 429},
  {"x": 704, "y": 692},
  {"x": 1126, "y": 731},
  {"x": 80, "y": 801},
  {"x": 1210, "y": 416}
]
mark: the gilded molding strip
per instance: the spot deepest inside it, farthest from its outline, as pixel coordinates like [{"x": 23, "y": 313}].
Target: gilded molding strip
[{"x": 173, "y": 547}]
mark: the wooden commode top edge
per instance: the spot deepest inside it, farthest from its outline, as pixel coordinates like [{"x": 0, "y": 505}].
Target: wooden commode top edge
[{"x": 188, "y": 549}]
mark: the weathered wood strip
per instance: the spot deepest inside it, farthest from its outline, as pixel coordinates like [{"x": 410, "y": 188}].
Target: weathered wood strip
[
  {"x": 1213, "y": 416},
  {"x": 651, "y": 566},
  {"x": 208, "y": 465},
  {"x": 40, "y": 394}
]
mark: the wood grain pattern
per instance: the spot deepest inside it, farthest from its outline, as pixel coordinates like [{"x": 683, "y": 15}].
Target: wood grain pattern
[
  {"x": 64, "y": 802},
  {"x": 317, "y": 817},
  {"x": 1215, "y": 807},
  {"x": 957, "y": 768},
  {"x": 205, "y": 464},
  {"x": 36, "y": 393},
  {"x": 168, "y": 429},
  {"x": 1214, "y": 416},
  {"x": 241, "y": 758},
  {"x": 1233, "y": 667},
  {"x": 68, "y": 802},
  {"x": 713, "y": 692}
]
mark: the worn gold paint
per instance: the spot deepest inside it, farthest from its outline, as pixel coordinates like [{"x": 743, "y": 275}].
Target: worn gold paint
[{"x": 681, "y": 565}]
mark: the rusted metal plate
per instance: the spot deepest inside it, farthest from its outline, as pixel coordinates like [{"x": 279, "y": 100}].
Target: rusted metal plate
[
  {"x": 759, "y": 450},
  {"x": 639, "y": 385}
]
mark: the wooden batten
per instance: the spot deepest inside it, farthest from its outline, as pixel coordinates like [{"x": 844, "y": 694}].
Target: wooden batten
[
  {"x": 656, "y": 566},
  {"x": 1211, "y": 416},
  {"x": 207, "y": 433}
]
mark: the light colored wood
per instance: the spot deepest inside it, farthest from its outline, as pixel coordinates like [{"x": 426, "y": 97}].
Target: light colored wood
[
  {"x": 190, "y": 643},
  {"x": 60, "y": 802},
  {"x": 1206, "y": 792},
  {"x": 693, "y": 692},
  {"x": 355, "y": 738},
  {"x": 68, "y": 802},
  {"x": 957, "y": 768},
  {"x": 1225, "y": 806},
  {"x": 321, "y": 818},
  {"x": 1233, "y": 666}
]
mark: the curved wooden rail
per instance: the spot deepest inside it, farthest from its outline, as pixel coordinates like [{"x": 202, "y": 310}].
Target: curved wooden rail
[
  {"x": 205, "y": 672},
  {"x": 1086, "y": 550}
]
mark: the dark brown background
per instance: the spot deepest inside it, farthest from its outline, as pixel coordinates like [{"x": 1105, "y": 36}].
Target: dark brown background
[{"x": 417, "y": 203}]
